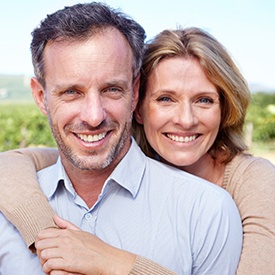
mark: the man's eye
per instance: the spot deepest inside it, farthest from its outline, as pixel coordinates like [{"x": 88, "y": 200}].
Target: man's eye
[
  {"x": 113, "y": 89},
  {"x": 71, "y": 92}
]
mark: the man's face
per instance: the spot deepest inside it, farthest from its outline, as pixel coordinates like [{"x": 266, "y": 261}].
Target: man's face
[{"x": 89, "y": 98}]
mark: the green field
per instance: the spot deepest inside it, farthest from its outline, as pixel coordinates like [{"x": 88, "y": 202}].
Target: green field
[{"x": 22, "y": 124}]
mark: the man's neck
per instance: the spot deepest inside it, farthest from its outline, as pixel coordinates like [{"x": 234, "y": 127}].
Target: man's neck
[{"x": 88, "y": 183}]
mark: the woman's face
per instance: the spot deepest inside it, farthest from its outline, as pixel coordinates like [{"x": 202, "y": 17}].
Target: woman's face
[{"x": 181, "y": 112}]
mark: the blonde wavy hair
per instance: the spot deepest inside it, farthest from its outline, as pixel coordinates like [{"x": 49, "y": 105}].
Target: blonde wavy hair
[{"x": 220, "y": 70}]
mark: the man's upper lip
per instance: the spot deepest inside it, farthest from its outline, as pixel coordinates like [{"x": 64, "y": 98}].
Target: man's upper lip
[{"x": 92, "y": 137}]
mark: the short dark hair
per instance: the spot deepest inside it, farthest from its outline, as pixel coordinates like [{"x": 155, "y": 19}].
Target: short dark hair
[{"x": 79, "y": 22}]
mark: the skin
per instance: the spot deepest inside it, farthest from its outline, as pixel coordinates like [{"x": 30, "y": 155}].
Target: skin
[
  {"x": 89, "y": 99},
  {"x": 181, "y": 115},
  {"x": 72, "y": 249}
]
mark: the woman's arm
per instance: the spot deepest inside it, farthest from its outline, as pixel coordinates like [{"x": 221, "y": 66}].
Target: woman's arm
[
  {"x": 84, "y": 253},
  {"x": 22, "y": 201},
  {"x": 254, "y": 194},
  {"x": 143, "y": 266}
]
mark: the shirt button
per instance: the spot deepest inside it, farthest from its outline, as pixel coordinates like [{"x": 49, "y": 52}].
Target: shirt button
[{"x": 88, "y": 216}]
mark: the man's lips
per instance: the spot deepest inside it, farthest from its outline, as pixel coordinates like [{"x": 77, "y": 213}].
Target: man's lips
[{"x": 92, "y": 138}]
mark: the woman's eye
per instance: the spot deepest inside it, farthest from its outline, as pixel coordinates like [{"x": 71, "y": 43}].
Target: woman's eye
[
  {"x": 164, "y": 99},
  {"x": 206, "y": 100}
]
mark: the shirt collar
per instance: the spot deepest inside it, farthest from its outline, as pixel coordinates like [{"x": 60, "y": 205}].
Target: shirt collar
[
  {"x": 50, "y": 177},
  {"x": 130, "y": 170},
  {"x": 128, "y": 173}
]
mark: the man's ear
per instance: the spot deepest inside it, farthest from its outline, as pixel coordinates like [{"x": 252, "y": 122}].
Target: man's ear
[
  {"x": 136, "y": 90},
  {"x": 138, "y": 115},
  {"x": 136, "y": 100},
  {"x": 38, "y": 95}
]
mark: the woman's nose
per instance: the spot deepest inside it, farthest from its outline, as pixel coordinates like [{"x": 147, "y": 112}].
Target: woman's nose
[{"x": 185, "y": 115}]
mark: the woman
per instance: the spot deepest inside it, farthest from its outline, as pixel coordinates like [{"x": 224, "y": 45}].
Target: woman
[{"x": 193, "y": 101}]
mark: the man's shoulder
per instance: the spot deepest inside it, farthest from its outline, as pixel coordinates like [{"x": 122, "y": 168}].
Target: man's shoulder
[{"x": 182, "y": 181}]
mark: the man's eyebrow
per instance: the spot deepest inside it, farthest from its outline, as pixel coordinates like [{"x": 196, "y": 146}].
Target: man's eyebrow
[
  {"x": 117, "y": 82},
  {"x": 61, "y": 87},
  {"x": 67, "y": 86}
]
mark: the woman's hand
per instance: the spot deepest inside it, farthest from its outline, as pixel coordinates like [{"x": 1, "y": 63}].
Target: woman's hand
[{"x": 69, "y": 250}]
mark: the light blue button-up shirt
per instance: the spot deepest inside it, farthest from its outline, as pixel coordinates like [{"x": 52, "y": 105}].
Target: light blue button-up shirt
[{"x": 178, "y": 220}]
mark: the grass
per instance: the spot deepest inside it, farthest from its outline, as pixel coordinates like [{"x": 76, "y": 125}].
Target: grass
[{"x": 264, "y": 149}]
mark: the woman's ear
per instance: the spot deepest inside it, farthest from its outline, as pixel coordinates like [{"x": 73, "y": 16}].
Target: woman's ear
[
  {"x": 138, "y": 115},
  {"x": 38, "y": 95}
]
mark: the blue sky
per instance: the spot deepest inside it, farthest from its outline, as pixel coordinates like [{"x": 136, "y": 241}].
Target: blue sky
[{"x": 245, "y": 27}]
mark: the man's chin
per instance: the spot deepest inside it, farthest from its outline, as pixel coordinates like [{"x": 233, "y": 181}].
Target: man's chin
[{"x": 89, "y": 163}]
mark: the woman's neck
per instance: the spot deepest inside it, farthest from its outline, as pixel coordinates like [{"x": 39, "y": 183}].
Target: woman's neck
[{"x": 208, "y": 169}]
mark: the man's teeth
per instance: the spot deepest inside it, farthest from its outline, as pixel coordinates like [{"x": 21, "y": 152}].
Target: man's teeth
[
  {"x": 92, "y": 138},
  {"x": 182, "y": 139}
]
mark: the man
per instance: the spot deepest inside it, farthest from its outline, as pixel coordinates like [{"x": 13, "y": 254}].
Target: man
[{"x": 86, "y": 60}]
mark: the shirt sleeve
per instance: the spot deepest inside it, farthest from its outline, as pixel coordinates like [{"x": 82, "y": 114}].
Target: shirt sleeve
[
  {"x": 217, "y": 236},
  {"x": 22, "y": 201},
  {"x": 254, "y": 193}
]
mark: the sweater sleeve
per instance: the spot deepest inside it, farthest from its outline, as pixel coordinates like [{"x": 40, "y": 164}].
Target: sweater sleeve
[
  {"x": 22, "y": 201},
  {"x": 143, "y": 266},
  {"x": 254, "y": 194}
]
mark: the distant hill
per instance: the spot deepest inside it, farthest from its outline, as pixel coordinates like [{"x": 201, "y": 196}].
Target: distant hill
[
  {"x": 255, "y": 87},
  {"x": 15, "y": 88}
]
